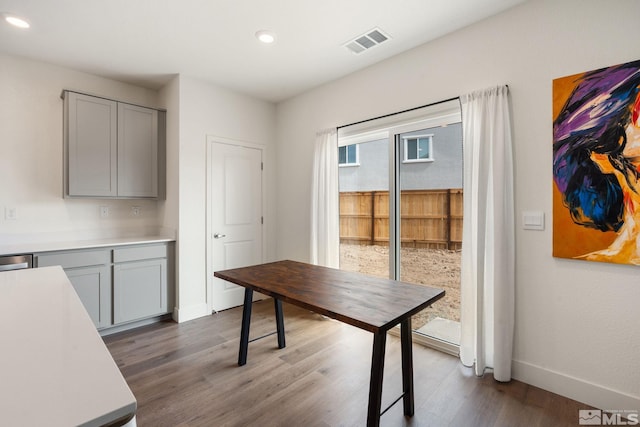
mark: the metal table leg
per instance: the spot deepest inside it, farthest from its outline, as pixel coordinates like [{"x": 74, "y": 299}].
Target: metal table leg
[
  {"x": 375, "y": 386},
  {"x": 244, "y": 331},
  {"x": 407, "y": 366},
  {"x": 279, "y": 322}
]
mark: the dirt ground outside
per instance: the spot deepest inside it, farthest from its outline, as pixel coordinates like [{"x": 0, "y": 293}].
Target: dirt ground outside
[{"x": 439, "y": 268}]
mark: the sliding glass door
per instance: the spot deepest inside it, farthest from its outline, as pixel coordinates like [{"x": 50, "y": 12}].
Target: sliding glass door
[
  {"x": 428, "y": 205},
  {"x": 364, "y": 205},
  {"x": 401, "y": 207}
]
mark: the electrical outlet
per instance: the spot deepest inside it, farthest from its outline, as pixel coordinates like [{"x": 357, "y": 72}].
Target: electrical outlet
[
  {"x": 10, "y": 213},
  {"x": 135, "y": 210},
  {"x": 104, "y": 211}
]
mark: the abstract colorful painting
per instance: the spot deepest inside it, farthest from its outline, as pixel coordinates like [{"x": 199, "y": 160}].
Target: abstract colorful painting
[{"x": 596, "y": 165}]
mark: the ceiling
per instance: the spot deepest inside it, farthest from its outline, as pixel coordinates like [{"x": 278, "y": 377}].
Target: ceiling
[{"x": 146, "y": 42}]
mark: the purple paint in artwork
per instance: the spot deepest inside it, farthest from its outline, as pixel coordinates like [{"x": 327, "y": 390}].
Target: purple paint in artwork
[
  {"x": 594, "y": 120},
  {"x": 595, "y": 87}
]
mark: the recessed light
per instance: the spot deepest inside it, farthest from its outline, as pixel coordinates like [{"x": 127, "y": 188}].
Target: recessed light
[
  {"x": 16, "y": 21},
  {"x": 266, "y": 36}
]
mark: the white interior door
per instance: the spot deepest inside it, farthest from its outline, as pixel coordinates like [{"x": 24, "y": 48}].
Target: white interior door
[{"x": 235, "y": 217}]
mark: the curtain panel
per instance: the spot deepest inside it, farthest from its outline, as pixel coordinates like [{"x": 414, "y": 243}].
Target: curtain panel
[
  {"x": 488, "y": 243},
  {"x": 325, "y": 215}
]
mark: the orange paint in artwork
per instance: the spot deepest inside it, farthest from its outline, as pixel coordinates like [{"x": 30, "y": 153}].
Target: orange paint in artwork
[
  {"x": 628, "y": 202},
  {"x": 569, "y": 239}
]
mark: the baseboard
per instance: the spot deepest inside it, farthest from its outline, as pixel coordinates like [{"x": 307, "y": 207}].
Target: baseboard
[
  {"x": 184, "y": 314},
  {"x": 574, "y": 388},
  {"x": 132, "y": 325},
  {"x": 427, "y": 341}
]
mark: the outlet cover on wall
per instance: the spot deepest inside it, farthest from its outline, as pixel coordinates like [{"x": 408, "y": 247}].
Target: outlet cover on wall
[
  {"x": 104, "y": 211},
  {"x": 135, "y": 210},
  {"x": 10, "y": 213}
]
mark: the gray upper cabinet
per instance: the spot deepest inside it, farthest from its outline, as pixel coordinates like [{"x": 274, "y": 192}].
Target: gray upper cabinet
[
  {"x": 137, "y": 151},
  {"x": 92, "y": 138},
  {"x": 112, "y": 149}
]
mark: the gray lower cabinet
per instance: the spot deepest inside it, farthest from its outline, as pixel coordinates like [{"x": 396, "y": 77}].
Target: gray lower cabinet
[
  {"x": 139, "y": 283},
  {"x": 93, "y": 286},
  {"x": 118, "y": 285},
  {"x": 89, "y": 271}
]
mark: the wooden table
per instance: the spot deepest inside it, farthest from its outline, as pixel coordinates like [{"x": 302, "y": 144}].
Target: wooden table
[{"x": 370, "y": 303}]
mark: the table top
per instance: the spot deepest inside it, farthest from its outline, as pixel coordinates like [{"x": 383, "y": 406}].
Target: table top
[
  {"x": 55, "y": 369},
  {"x": 370, "y": 303}
]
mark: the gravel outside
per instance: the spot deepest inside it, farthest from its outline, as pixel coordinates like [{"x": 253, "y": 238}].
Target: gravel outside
[{"x": 439, "y": 268}]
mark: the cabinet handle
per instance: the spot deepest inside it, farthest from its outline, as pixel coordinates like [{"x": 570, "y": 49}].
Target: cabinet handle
[{"x": 219, "y": 236}]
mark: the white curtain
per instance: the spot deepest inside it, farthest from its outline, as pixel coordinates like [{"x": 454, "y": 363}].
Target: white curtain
[
  {"x": 487, "y": 282},
  {"x": 325, "y": 231}
]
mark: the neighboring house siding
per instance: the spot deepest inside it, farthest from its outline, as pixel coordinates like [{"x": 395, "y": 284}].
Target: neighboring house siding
[
  {"x": 373, "y": 172},
  {"x": 443, "y": 173}
]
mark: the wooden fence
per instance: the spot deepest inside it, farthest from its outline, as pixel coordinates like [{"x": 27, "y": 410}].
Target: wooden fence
[{"x": 429, "y": 218}]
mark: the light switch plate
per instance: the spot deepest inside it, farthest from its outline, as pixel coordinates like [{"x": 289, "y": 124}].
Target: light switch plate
[{"x": 533, "y": 220}]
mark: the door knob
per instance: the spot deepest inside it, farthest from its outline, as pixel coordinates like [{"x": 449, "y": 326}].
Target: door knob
[{"x": 219, "y": 236}]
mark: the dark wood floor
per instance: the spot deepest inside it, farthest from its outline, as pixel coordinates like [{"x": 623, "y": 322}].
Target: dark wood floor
[{"x": 187, "y": 375}]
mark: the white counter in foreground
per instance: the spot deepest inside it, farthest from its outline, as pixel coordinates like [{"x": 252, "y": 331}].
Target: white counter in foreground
[{"x": 54, "y": 368}]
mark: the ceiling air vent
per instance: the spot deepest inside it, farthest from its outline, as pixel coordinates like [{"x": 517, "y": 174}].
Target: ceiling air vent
[{"x": 367, "y": 41}]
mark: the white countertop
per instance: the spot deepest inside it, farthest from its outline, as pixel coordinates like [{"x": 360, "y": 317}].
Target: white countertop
[
  {"x": 55, "y": 370},
  {"x": 30, "y": 246}
]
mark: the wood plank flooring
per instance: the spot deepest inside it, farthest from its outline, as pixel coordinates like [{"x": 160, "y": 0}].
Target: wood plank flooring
[{"x": 187, "y": 375}]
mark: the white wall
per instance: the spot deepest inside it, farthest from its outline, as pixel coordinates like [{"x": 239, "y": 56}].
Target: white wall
[
  {"x": 206, "y": 109},
  {"x": 31, "y": 143},
  {"x": 577, "y": 323},
  {"x": 168, "y": 215}
]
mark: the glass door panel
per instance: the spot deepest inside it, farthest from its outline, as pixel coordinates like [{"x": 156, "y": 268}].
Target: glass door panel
[
  {"x": 364, "y": 207},
  {"x": 430, "y": 210}
]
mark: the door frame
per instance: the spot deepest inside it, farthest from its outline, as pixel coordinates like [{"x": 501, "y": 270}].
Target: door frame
[{"x": 210, "y": 140}]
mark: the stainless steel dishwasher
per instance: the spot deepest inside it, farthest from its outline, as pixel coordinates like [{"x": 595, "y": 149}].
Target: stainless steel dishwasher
[{"x": 15, "y": 262}]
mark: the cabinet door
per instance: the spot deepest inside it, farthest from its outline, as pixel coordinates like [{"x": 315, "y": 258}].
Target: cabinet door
[
  {"x": 93, "y": 286},
  {"x": 139, "y": 290},
  {"x": 91, "y": 145},
  {"x": 137, "y": 151}
]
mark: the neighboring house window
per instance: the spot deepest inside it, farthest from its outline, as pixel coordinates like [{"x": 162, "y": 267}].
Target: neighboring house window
[
  {"x": 348, "y": 155},
  {"x": 418, "y": 148}
]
